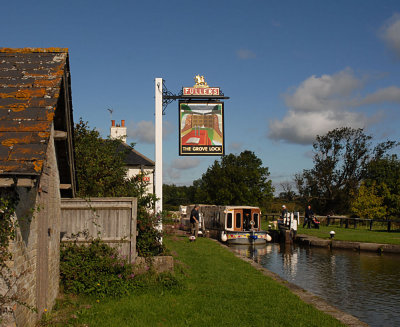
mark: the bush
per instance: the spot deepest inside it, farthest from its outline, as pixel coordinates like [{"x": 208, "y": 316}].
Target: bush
[
  {"x": 96, "y": 269},
  {"x": 148, "y": 241}
]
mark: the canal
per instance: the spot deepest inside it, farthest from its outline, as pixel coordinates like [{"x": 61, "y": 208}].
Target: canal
[{"x": 366, "y": 285}]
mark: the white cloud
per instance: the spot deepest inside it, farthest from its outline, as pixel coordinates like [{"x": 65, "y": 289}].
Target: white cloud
[
  {"x": 144, "y": 131},
  {"x": 302, "y": 128},
  {"x": 185, "y": 163},
  {"x": 390, "y": 33},
  {"x": 245, "y": 54},
  {"x": 174, "y": 171},
  {"x": 171, "y": 175},
  {"x": 318, "y": 105},
  {"x": 388, "y": 94},
  {"x": 327, "y": 91}
]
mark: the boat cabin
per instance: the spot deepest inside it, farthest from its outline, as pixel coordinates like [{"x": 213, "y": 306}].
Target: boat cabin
[{"x": 242, "y": 218}]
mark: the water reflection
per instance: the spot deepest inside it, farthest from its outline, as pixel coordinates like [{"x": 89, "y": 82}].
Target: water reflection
[
  {"x": 366, "y": 285},
  {"x": 252, "y": 251}
]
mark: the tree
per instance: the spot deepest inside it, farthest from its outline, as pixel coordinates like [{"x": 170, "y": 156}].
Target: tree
[
  {"x": 367, "y": 203},
  {"x": 101, "y": 172},
  {"x": 239, "y": 180},
  {"x": 287, "y": 193},
  {"x": 100, "y": 166},
  {"x": 173, "y": 196},
  {"x": 385, "y": 174},
  {"x": 340, "y": 160}
]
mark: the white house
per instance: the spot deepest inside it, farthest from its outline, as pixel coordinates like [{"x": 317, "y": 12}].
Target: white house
[{"x": 136, "y": 162}]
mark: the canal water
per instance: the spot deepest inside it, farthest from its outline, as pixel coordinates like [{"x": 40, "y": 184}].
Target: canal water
[{"x": 366, "y": 285}]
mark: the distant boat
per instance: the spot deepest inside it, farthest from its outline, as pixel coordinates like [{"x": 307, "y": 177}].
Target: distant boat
[{"x": 230, "y": 224}]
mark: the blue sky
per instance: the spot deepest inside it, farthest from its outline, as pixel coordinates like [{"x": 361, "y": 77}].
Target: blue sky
[{"x": 292, "y": 69}]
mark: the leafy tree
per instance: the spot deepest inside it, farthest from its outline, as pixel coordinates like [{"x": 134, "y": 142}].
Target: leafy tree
[
  {"x": 340, "y": 160},
  {"x": 385, "y": 173},
  {"x": 239, "y": 180},
  {"x": 100, "y": 166},
  {"x": 101, "y": 172},
  {"x": 173, "y": 196},
  {"x": 367, "y": 203},
  {"x": 287, "y": 193}
]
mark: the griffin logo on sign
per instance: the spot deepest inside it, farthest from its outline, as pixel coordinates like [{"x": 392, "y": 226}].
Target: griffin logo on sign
[
  {"x": 200, "y": 82},
  {"x": 201, "y": 89}
]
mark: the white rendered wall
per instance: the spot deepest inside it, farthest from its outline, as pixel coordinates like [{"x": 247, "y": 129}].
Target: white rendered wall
[
  {"x": 148, "y": 177},
  {"x": 118, "y": 132}
]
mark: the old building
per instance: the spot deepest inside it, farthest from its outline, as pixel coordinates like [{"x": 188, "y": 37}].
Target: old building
[
  {"x": 37, "y": 166},
  {"x": 135, "y": 162}
]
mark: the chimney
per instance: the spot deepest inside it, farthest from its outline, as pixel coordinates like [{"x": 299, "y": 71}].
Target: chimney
[{"x": 117, "y": 131}]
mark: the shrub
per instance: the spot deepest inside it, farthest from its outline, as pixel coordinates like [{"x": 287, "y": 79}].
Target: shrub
[
  {"x": 148, "y": 241},
  {"x": 96, "y": 269}
]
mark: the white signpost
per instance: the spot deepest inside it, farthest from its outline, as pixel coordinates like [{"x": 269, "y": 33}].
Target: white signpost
[
  {"x": 158, "y": 145},
  {"x": 200, "y": 91}
]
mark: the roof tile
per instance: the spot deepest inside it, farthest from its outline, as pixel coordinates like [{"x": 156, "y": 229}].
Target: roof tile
[{"x": 30, "y": 81}]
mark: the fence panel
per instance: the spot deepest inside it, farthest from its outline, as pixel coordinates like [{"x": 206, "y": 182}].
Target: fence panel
[{"x": 113, "y": 220}]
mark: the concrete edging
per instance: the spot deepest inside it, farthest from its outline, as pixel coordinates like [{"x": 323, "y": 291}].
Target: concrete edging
[{"x": 356, "y": 246}]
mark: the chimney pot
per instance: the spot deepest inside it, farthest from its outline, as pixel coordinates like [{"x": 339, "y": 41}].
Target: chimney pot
[
  {"x": 123, "y": 123},
  {"x": 113, "y": 123}
]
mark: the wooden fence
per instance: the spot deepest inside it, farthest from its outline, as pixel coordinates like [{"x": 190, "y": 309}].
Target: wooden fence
[
  {"x": 111, "y": 219},
  {"x": 355, "y": 221},
  {"x": 345, "y": 221}
]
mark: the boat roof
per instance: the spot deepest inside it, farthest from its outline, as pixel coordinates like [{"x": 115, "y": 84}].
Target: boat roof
[
  {"x": 240, "y": 207},
  {"x": 229, "y": 207}
]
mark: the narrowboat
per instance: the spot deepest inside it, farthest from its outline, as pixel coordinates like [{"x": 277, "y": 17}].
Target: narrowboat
[{"x": 230, "y": 224}]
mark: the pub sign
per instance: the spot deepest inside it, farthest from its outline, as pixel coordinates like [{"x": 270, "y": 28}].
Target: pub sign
[{"x": 201, "y": 129}]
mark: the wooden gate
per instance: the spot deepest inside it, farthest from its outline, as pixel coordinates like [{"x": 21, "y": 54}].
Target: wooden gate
[{"x": 113, "y": 220}]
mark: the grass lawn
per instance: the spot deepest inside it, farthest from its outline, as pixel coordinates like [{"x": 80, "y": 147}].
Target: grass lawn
[
  {"x": 361, "y": 234},
  {"x": 354, "y": 235},
  {"x": 216, "y": 289}
]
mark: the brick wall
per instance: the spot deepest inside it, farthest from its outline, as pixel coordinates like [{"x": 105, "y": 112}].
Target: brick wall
[{"x": 36, "y": 247}]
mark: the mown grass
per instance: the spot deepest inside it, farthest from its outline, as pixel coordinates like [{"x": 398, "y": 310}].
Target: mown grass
[
  {"x": 360, "y": 234},
  {"x": 354, "y": 235},
  {"x": 215, "y": 289}
]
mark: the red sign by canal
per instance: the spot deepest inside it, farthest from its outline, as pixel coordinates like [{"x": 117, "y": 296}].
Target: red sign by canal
[{"x": 209, "y": 91}]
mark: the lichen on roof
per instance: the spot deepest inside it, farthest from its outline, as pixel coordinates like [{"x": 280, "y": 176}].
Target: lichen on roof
[
  {"x": 30, "y": 84},
  {"x": 33, "y": 50}
]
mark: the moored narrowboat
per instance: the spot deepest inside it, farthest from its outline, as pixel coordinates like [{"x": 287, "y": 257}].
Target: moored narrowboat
[{"x": 231, "y": 224}]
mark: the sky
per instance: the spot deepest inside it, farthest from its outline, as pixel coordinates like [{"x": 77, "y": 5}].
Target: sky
[{"x": 292, "y": 69}]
